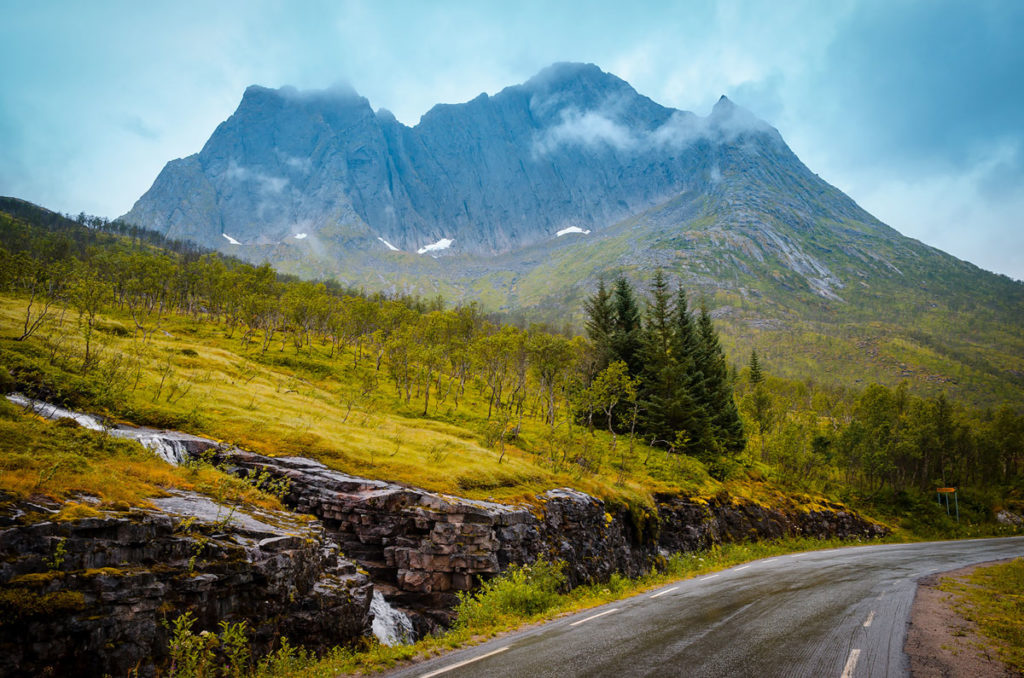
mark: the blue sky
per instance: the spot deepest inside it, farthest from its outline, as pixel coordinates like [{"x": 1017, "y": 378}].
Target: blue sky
[{"x": 915, "y": 109}]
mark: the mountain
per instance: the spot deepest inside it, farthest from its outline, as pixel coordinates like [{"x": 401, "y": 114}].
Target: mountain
[
  {"x": 523, "y": 199},
  {"x": 571, "y": 147}
]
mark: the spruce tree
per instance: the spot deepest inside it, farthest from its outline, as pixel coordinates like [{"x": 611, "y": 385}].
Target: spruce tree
[
  {"x": 756, "y": 376},
  {"x": 687, "y": 415},
  {"x": 717, "y": 394},
  {"x": 600, "y": 326},
  {"x": 626, "y": 339},
  {"x": 657, "y": 382}
]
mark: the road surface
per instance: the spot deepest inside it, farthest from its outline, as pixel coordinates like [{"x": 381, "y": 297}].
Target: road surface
[{"x": 841, "y": 612}]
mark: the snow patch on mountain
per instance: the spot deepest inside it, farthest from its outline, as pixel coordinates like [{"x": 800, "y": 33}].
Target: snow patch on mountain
[
  {"x": 230, "y": 239},
  {"x": 442, "y": 244},
  {"x": 389, "y": 245},
  {"x": 571, "y": 229}
]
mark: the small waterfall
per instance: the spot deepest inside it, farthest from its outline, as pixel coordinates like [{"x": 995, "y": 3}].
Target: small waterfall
[
  {"x": 389, "y": 625},
  {"x": 170, "y": 450},
  {"x": 167, "y": 445},
  {"x": 48, "y": 411}
]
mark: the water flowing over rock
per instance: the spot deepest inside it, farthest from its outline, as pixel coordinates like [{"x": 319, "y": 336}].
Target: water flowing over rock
[
  {"x": 390, "y": 626},
  {"x": 421, "y": 547},
  {"x": 173, "y": 447},
  {"x": 56, "y": 412}
]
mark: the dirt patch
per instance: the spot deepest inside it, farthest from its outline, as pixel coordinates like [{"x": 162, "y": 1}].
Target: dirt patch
[{"x": 941, "y": 643}]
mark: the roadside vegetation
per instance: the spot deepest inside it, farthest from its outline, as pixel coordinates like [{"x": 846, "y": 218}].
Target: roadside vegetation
[
  {"x": 991, "y": 598},
  {"x": 116, "y": 321},
  {"x": 521, "y": 596}
]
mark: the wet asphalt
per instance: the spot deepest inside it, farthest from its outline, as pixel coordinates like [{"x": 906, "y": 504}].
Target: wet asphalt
[{"x": 840, "y": 612}]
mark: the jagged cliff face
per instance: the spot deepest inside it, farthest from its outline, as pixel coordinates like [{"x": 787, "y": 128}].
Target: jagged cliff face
[
  {"x": 524, "y": 199},
  {"x": 572, "y": 148}
]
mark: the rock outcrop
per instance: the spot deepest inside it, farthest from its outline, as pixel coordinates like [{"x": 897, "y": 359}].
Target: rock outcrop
[
  {"x": 120, "y": 574},
  {"x": 423, "y": 546},
  {"x": 91, "y": 596}
]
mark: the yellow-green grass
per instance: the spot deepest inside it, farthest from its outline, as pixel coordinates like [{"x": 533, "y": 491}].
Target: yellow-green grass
[
  {"x": 296, "y": 402},
  {"x": 993, "y": 598},
  {"x": 61, "y": 461}
]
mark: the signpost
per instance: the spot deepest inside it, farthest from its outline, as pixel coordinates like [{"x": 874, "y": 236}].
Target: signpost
[{"x": 946, "y": 491}]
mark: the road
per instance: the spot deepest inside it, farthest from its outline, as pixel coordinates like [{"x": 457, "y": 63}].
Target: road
[{"x": 840, "y": 612}]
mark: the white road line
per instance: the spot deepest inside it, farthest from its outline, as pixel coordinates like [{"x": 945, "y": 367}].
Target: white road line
[
  {"x": 710, "y": 576},
  {"x": 664, "y": 592},
  {"x": 871, "y": 618},
  {"x": 742, "y": 568},
  {"x": 600, "y": 614},
  {"x": 851, "y": 664},
  {"x": 801, "y": 555},
  {"x": 463, "y": 663}
]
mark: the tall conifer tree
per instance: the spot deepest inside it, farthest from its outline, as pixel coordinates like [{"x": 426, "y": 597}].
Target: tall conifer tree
[
  {"x": 600, "y": 326},
  {"x": 626, "y": 340},
  {"x": 657, "y": 381},
  {"x": 718, "y": 400}
]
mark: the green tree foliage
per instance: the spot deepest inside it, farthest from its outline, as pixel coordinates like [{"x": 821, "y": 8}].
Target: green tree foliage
[
  {"x": 660, "y": 373},
  {"x": 684, "y": 388},
  {"x": 626, "y": 339}
]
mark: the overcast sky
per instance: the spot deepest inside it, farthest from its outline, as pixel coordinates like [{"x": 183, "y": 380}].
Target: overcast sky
[{"x": 915, "y": 109}]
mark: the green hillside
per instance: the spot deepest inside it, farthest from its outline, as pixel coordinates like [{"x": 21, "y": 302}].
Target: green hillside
[
  {"x": 443, "y": 398},
  {"x": 842, "y": 302}
]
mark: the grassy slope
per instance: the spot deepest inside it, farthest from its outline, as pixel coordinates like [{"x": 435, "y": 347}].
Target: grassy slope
[
  {"x": 906, "y": 311},
  {"x": 286, "y": 403}
]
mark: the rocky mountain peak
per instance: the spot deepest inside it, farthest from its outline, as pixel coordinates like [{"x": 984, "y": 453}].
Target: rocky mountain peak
[{"x": 572, "y": 148}]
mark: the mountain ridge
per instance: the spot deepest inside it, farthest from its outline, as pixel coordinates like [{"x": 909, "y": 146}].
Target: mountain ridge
[
  {"x": 524, "y": 199},
  {"x": 571, "y": 147}
]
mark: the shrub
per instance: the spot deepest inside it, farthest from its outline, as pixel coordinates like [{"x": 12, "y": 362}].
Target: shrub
[{"x": 522, "y": 591}]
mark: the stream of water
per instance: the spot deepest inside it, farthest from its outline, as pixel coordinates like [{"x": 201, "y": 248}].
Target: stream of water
[{"x": 390, "y": 626}]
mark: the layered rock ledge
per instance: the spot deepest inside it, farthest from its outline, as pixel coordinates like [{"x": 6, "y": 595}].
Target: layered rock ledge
[
  {"x": 422, "y": 547},
  {"x": 122, "y": 574},
  {"x": 91, "y": 596}
]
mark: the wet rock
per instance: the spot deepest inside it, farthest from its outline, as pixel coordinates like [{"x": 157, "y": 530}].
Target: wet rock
[
  {"x": 90, "y": 597},
  {"x": 426, "y": 546}
]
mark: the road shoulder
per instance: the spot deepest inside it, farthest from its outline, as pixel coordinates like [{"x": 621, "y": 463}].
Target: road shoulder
[{"x": 941, "y": 643}]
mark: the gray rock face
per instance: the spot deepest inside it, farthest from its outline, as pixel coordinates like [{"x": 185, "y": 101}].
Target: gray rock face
[
  {"x": 573, "y": 146},
  {"x": 99, "y": 611},
  {"x": 286, "y": 576},
  {"x": 423, "y": 547}
]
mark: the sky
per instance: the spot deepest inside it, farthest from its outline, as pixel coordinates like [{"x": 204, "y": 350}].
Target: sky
[{"x": 913, "y": 108}]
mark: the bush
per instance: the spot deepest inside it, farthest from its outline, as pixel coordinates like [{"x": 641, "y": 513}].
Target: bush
[{"x": 522, "y": 591}]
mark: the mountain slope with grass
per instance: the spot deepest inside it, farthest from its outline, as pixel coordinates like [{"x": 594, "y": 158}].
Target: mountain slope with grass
[
  {"x": 427, "y": 449},
  {"x": 523, "y": 200}
]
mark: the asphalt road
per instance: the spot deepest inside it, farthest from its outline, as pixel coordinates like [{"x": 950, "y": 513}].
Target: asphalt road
[{"x": 841, "y": 612}]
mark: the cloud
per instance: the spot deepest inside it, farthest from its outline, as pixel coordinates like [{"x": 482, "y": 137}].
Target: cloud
[
  {"x": 137, "y": 126},
  {"x": 603, "y": 127},
  {"x": 266, "y": 185},
  {"x": 586, "y": 128},
  {"x": 973, "y": 214},
  {"x": 866, "y": 93}
]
